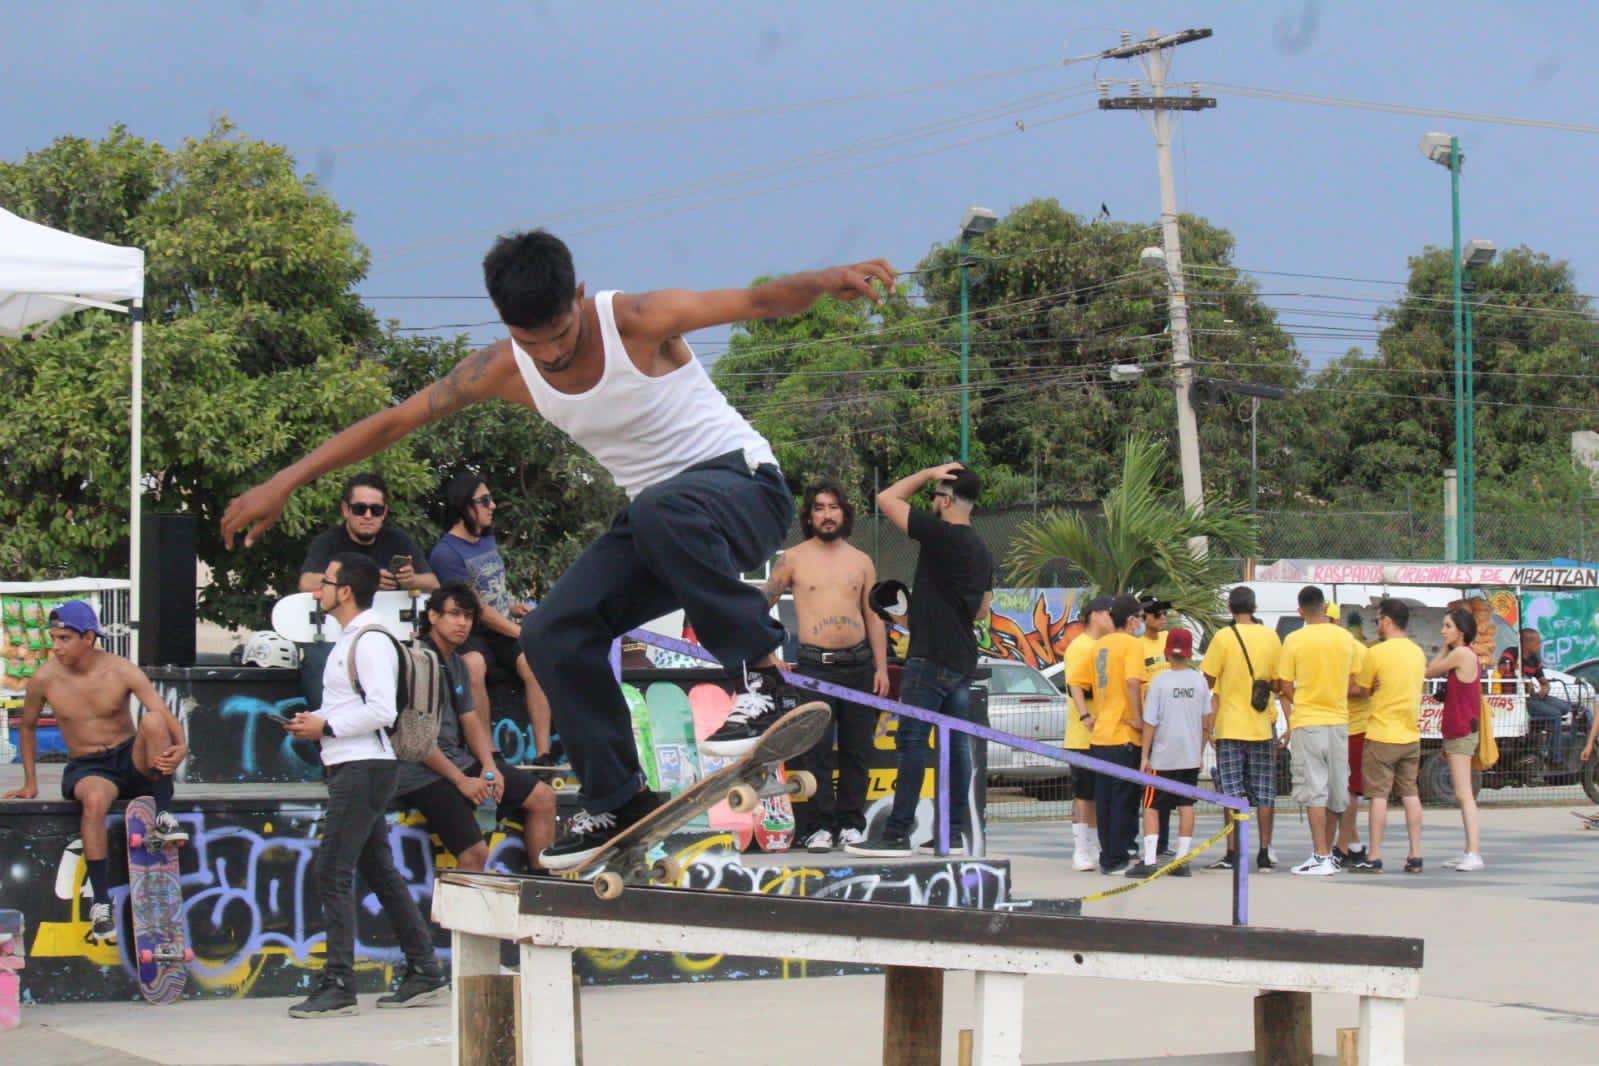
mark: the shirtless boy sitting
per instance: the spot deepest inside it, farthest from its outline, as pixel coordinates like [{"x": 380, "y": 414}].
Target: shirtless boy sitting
[{"x": 111, "y": 758}]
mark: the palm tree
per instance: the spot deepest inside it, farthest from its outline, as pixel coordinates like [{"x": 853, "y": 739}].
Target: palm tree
[{"x": 1141, "y": 543}]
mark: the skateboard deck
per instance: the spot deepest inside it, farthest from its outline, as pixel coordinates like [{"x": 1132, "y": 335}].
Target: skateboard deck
[
  {"x": 297, "y": 617},
  {"x": 156, "y": 901},
  {"x": 561, "y": 778},
  {"x": 626, "y": 858},
  {"x": 1589, "y": 821}
]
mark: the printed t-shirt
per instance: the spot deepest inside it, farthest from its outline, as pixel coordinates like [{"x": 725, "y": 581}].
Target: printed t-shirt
[
  {"x": 1177, "y": 703},
  {"x": 1117, "y": 659}
]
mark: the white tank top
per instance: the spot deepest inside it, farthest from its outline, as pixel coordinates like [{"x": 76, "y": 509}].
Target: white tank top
[{"x": 644, "y": 430}]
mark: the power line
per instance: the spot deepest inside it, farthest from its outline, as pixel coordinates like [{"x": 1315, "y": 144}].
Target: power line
[{"x": 1287, "y": 96}]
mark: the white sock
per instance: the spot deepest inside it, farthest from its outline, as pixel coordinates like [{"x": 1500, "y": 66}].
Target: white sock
[
  {"x": 1150, "y": 842},
  {"x": 1079, "y": 837},
  {"x": 1183, "y": 844}
]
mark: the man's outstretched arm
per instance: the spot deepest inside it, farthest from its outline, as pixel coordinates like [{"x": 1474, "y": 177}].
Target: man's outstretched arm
[
  {"x": 483, "y": 375},
  {"x": 669, "y": 312},
  {"x": 895, "y": 501}
]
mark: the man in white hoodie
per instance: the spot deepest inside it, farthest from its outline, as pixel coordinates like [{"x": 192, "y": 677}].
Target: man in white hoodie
[{"x": 361, "y": 771}]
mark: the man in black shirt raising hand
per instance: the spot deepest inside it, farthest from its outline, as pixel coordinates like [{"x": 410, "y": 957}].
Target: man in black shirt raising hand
[{"x": 954, "y": 576}]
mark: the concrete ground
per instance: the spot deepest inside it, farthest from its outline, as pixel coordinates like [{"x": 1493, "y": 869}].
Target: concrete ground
[{"x": 1508, "y": 978}]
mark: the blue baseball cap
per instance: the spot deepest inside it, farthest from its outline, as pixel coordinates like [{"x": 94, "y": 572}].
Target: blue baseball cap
[{"x": 78, "y": 616}]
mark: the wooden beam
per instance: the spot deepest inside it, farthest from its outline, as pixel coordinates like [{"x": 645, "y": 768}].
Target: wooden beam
[
  {"x": 549, "y": 1023},
  {"x": 913, "y": 1015},
  {"x": 1282, "y": 1029},
  {"x": 486, "y": 1008},
  {"x": 1382, "y": 1031},
  {"x": 999, "y": 1019}
]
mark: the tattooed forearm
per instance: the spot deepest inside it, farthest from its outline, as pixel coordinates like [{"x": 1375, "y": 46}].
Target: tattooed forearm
[
  {"x": 833, "y": 622},
  {"x": 457, "y": 387}
]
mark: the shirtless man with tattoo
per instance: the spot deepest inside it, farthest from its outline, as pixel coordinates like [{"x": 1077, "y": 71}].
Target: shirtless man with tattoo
[
  {"x": 841, "y": 641},
  {"x": 111, "y": 758}
]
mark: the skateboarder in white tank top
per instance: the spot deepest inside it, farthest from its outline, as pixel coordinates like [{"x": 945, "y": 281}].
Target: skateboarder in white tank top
[{"x": 706, "y": 500}]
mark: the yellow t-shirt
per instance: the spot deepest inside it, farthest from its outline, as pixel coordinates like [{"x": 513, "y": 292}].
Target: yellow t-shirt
[
  {"x": 1318, "y": 659},
  {"x": 1078, "y": 653},
  {"x": 1359, "y": 706},
  {"x": 1401, "y": 667},
  {"x": 1224, "y": 664},
  {"x": 1117, "y": 659},
  {"x": 1154, "y": 656}
]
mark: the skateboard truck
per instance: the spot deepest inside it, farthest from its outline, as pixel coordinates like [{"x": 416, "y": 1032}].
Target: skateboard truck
[{"x": 148, "y": 955}]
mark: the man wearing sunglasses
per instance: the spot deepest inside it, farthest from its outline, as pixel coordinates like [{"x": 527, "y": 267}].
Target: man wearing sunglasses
[{"x": 365, "y": 507}]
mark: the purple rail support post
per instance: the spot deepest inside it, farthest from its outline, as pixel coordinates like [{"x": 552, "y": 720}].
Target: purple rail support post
[
  {"x": 941, "y": 790},
  {"x": 1241, "y": 823}
]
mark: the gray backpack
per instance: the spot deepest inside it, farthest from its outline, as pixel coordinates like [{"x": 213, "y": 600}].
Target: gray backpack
[{"x": 419, "y": 696}]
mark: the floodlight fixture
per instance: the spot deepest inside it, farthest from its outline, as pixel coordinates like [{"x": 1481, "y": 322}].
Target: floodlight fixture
[
  {"x": 1436, "y": 147},
  {"x": 977, "y": 221},
  {"x": 1477, "y": 254}
]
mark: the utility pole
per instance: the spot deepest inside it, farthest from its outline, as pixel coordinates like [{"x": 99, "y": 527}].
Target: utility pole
[{"x": 1155, "y": 52}]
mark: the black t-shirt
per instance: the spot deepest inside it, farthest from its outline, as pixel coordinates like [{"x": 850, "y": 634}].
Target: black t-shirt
[
  {"x": 953, "y": 571},
  {"x": 386, "y": 545}
]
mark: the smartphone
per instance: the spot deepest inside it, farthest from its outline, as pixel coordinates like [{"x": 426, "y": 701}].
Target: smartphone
[
  {"x": 398, "y": 563},
  {"x": 278, "y": 718}
]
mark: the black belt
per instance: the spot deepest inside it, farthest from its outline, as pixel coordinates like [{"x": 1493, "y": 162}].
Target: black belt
[{"x": 860, "y": 653}]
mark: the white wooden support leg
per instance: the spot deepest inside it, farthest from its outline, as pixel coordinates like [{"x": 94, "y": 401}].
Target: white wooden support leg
[
  {"x": 470, "y": 956},
  {"x": 1382, "y": 1031},
  {"x": 549, "y": 1026},
  {"x": 999, "y": 1019}
]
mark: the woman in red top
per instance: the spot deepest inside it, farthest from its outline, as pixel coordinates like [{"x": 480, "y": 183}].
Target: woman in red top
[{"x": 1457, "y": 664}]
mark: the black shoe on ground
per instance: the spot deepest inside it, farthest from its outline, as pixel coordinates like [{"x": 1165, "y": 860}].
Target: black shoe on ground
[
  {"x": 1226, "y": 862},
  {"x": 418, "y": 988},
  {"x": 1185, "y": 870},
  {"x": 1115, "y": 868},
  {"x": 587, "y": 832},
  {"x": 883, "y": 844},
  {"x": 333, "y": 998},
  {"x": 1363, "y": 865},
  {"x": 761, "y": 700},
  {"x": 1413, "y": 865},
  {"x": 1165, "y": 854},
  {"x": 1140, "y": 870},
  {"x": 1263, "y": 863}
]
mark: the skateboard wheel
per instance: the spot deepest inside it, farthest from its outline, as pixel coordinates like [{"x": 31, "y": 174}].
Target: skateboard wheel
[
  {"x": 135, "y": 839},
  {"x": 608, "y": 885},
  {"x": 667, "y": 871},
  {"x": 188, "y": 954},
  {"x": 804, "y": 783},
  {"x": 742, "y": 798},
  {"x": 146, "y": 957}
]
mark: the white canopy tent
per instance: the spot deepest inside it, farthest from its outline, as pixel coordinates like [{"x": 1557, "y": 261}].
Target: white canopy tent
[{"x": 44, "y": 274}]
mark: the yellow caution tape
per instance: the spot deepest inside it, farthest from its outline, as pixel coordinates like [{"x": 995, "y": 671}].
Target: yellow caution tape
[{"x": 1192, "y": 854}]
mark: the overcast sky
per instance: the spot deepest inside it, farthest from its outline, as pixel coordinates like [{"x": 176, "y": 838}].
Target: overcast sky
[{"x": 698, "y": 144}]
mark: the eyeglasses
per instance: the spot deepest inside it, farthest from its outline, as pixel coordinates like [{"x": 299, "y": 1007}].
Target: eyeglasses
[
  {"x": 483, "y": 500},
  {"x": 335, "y": 584},
  {"x": 361, "y": 510},
  {"x": 943, "y": 495}
]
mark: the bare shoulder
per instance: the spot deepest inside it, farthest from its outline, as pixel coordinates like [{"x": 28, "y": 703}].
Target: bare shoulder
[{"x": 488, "y": 373}]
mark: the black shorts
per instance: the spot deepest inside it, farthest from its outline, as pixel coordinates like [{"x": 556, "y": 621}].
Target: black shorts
[
  {"x": 1161, "y": 800},
  {"x": 1083, "y": 780},
  {"x": 498, "y": 650},
  {"x": 113, "y": 764},
  {"x": 451, "y": 818}
]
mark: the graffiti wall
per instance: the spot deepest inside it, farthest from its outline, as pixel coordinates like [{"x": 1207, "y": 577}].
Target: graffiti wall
[
  {"x": 1032, "y": 625},
  {"x": 255, "y": 924},
  {"x": 1568, "y": 623}
]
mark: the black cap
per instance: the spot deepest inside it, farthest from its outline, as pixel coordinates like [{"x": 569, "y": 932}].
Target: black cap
[
  {"x": 1124, "y": 607},
  {"x": 1098, "y": 603},
  {"x": 1151, "y": 605}
]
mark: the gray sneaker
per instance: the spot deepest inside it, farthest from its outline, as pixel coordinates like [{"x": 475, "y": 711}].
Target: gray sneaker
[{"x": 417, "y": 988}]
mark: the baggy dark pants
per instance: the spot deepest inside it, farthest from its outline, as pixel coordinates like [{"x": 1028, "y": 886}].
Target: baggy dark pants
[{"x": 680, "y": 544}]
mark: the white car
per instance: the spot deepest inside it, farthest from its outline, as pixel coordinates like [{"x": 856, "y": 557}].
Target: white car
[{"x": 1022, "y": 700}]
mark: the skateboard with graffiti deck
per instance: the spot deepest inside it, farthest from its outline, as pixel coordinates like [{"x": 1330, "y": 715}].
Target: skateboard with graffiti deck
[
  {"x": 1589, "y": 821},
  {"x": 625, "y": 859},
  {"x": 156, "y": 900}
]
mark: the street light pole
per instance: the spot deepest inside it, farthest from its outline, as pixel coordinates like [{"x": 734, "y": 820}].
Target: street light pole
[
  {"x": 1477, "y": 254},
  {"x": 974, "y": 223},
  {"x": 1462, "y": 452}
]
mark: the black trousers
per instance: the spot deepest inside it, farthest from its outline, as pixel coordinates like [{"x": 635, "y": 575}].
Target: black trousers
[
  {"x": 1116, "y": 803},
  {"x": 355, "y": 836},
  {"x": 856, "y": 727},
  {"x": 680, "y": 544}
]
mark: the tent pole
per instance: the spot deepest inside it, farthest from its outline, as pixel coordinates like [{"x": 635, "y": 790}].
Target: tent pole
[{"x": 135, "y": 478}]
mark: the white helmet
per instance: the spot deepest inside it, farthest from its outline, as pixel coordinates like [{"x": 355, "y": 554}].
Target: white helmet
[{"x": 271, "y": 649}]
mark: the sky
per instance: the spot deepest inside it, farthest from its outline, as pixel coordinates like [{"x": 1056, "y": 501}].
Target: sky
[{"x": 701, "y": 145}]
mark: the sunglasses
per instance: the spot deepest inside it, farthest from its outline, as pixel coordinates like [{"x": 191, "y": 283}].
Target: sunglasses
[
  {"x": 335, "y": 584},
  {"x": 483, "y": 500},
  {"x": 361, "y": 510},
  {"x": 943, "y": 495}
]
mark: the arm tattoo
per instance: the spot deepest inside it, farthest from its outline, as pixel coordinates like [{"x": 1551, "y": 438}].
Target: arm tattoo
[{"x": 450, "y": 393}]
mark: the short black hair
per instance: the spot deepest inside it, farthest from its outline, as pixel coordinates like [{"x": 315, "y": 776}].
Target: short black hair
[
  {"x": 366, "y": 479},
  {"x": 835, "y": 490},
  {"x": 458, "y": 493},
  {"x": 360, "y": 575},
  {"x": 1241, "y": 600},
  {"x": 1396, "y": 611},
  {"x": 464, "y": 597},
  {"x": 966, "y": 485},
  {"x": 530, "y": 278},
  {"x": 1311, "y": 599}
]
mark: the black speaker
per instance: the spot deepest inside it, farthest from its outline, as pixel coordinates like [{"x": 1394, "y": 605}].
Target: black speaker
[{"x": 168, "y": 581}]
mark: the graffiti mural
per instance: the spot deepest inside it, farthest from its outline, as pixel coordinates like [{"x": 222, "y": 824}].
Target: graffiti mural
[{"x": 1031, "y": 625}]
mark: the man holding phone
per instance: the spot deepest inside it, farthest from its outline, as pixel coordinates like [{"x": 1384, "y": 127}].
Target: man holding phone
[{"x": 364, "y": 531}]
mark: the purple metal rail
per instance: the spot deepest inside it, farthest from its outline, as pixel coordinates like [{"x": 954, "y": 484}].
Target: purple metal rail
[{"x": 945, "y": 723}]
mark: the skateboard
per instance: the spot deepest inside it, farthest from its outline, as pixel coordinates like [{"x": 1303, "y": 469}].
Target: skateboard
[
  {"x": 710, "y": 704},
  {"x": 297, "y": 617},
  {"x": 561, "y": 778},
  {"x": 1589, "y": 821},
  {"x": 156, "y": 900},
  {"x": 626, "y": 858}
]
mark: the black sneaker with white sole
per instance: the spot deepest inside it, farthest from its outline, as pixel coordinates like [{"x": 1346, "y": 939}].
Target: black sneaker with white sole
[
  {"x": 588, "y": 832},
  {"x": 102, "y": 926},
  {"x": 758, "y": 702},
  {"x": 417, "y": 988},
  {"x": 958, "y": 845},
  {"x": 167, "y": 830},
  {"x": 333, "y": 998},
  {"x": 882, "y": 844}
]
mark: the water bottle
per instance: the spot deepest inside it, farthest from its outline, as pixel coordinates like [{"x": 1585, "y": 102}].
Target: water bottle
[{"x": 487, "y": 811}]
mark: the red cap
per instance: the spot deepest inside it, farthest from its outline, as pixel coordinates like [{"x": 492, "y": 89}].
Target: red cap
[{"x": 1179, "y": 642}]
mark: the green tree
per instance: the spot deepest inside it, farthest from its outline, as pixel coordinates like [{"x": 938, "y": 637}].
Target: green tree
[
  {"x": 1139, "y": 543},
  {"x": 256, "y": 349}
]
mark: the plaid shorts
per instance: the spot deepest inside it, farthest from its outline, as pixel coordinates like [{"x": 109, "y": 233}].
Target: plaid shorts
[{"x": 1247, "y": 768}]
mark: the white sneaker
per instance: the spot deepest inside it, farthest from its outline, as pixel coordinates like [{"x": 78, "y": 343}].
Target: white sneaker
[
  {"x": 1469, "y": 862},
  {"x": 820, "y": 842},
  {"x": 851, "y": 836},
  {"x": 1317, "y": 866},
  {"x": 1084, "y": 860},
  {"x": 1454, "y": 863}
]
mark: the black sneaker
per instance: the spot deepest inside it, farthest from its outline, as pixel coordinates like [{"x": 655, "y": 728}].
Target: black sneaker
[
  {"x": 1363, "y": 865},
  {"x": 763, "y": 698},
  {"x": 167, "y": 830},
  {"x": 102, "y": 926},
  {"x": 1413, "y": 865},
  {"x": 1339, "y": 856},
  {"x": 588, "y": 832},
  {"x": 957, "y": 845},
  {"x": 1226, "y": 862},
  {"x": 883, "y": 844},
  {"x": 1185, "y": 870},
  {"x": 333, "y": 998},
  {"x": 418, "y": 988},
  {"x": 1141, "y": 870},
  {"x": 1263, "y": 862},
  {"x": 1115, "y": 868},
  {"x": 1165, "y": 854}
]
